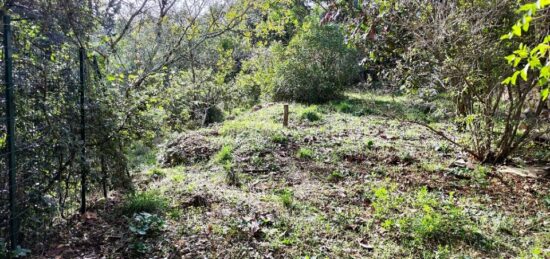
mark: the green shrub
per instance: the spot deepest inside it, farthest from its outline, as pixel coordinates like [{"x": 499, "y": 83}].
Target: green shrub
[
  {"x": 316, "y": 66},
  {"x": 305, "y": 153},
  {"x": 225, "y": 154},
  {"x": 310, "y": 114},
  {"x": 214, "y": 115},
  {"x": 149, "y": 201},
  {"x": 257, "y": 76}
]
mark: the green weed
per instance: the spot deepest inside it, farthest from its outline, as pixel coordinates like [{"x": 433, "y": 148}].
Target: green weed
[
  {"x": 344, "y": 107},
  {"x": 156, "y": 173},
  {"x": 224, "y": 155},
  {"x": 287, "y": 198},
  {"x": 546, "y": 200},
  {"x": 370, "y": 144},
  {"x": 424, "y": 219},
  {"x": 310, "y": 114},
  {"x": 335, "y": 176},
  {"x": 279, "y": 138},
  {"x": 149, "y": 201},
  {"x": 177, "y": 177},
  {"x": 305, "y": 153}
]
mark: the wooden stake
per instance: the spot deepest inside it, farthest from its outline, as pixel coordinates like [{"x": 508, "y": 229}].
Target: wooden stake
[{"x": 285, "y": 115}]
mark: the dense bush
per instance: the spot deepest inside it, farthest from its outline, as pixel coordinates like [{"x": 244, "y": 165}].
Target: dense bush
[{"x": 316, "y": 66}]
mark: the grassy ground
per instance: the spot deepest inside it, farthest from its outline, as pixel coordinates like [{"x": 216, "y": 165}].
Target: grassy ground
[{"x": 344, "y": 180}]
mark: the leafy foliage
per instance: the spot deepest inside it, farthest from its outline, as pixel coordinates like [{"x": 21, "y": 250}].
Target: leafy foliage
[
  {"x": 532, "y": 56},
  {"x": 144, "y": 223},
  {"x": 225, "y": 155},
  {"x": 315, "y": 67}
]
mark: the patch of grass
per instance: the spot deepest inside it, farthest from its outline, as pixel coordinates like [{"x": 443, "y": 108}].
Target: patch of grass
[
  {"x": 344, "y": 107},
  {"x": 311, "y": 114},
  {"x": 148, "y": 201},
  {"x": 431, "y": 167},
  {"x": 175, "y": 213},
  {"x": 351, "y": 152},
  {"x": 279, "y": 138},
  {"x": 407, "y": 157},
  {"x": 305, "y": 153},
  {"x": 476, "y": 176},
  {"x": 335, "y": 176},
  {"x": 480, "y": 175},
  {"x": 156, "y": 173},
  {"x": 443, "y": 147},
  {"x": 264, "y": 121},
  {"x": 177, "y": 178},
  {"x": 287, "y": 198},
  {"x": 225, "y": 154},
  {"x": 423, "y": 218}
]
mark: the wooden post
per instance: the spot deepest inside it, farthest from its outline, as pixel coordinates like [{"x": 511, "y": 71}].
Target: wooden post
[{"x": 285, "y": 115}]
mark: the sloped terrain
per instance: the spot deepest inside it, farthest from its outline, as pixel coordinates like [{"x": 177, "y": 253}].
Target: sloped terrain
[{"x": 344, "y": 180}]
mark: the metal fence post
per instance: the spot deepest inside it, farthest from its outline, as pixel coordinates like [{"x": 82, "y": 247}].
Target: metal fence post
[
  {"x": 83, "y": 167},
  {"x": 10, "y": 124}
]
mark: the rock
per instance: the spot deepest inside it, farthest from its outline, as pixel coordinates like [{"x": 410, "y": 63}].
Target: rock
[
  {"x": 461, "y": 163},
  {"x": 532, "y": 171}
]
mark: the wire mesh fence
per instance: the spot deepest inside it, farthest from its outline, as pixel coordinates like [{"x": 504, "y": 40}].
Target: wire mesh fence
[{"x": 44, "y": 158}]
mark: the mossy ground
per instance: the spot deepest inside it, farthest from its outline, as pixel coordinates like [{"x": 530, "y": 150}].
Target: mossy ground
[{"x": 355, "y": 183}]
